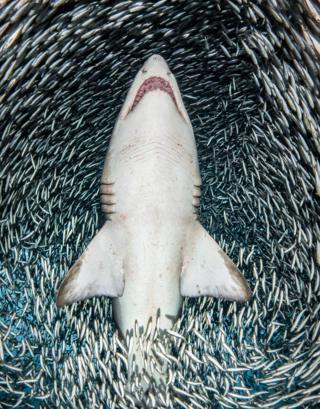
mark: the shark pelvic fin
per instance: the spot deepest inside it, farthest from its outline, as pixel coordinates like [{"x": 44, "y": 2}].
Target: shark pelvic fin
[
  {"x": 208, "y": 271},
  {"x": 98, "y": 271}
]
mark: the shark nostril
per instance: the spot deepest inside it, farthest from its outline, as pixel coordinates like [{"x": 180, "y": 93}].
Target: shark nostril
[{"x": 144, "y": 70}]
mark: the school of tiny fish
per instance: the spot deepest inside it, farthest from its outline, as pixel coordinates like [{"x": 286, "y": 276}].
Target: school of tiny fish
[{"x": 249, "y": 74}]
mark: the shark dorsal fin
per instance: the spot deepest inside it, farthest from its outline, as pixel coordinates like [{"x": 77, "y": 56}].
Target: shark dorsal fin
[
  {"x": 98, "y": 271},
  {"x": 208, "y": 271}
]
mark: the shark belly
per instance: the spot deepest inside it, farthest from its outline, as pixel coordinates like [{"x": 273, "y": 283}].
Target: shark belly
[
  {"x": 153, "y": 201},
  {"x": 153, "y": 266}
]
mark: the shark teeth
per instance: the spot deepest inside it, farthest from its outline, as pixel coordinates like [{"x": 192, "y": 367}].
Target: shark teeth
[{"x": 152, "y": 84}]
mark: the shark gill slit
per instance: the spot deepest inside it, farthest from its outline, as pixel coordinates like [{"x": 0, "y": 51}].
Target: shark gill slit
[{"x": 107, "y": 197}]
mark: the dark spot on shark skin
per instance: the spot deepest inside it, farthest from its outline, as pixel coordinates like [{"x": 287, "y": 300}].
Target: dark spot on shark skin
[{"x": 172, "y": 318}]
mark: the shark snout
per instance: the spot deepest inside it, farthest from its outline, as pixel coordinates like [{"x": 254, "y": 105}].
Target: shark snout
[
  {"x": 156, "y": 66},
  {"x": 154, "y": 75}
]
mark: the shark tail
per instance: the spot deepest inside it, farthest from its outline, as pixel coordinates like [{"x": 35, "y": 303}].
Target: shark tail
[
  {"x": 147, "y": 371},
  {"x": 206, "y": 271}
]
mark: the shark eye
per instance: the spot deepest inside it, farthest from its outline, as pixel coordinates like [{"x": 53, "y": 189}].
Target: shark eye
[
  {"x": 169, "y": 73},
  {"x": 144, "y": 70}
]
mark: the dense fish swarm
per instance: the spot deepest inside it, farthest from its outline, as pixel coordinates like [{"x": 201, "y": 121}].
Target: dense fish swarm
[{"x": 249, "y": 74}]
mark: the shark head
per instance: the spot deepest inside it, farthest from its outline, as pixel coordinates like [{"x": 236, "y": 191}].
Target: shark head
[{"x": 153, "y": 79}]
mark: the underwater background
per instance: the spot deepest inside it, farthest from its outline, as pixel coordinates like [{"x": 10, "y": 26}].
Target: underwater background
[{"x": 249, "y": 75}]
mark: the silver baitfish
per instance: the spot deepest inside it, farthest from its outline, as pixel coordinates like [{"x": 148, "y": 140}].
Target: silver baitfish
[{"x": 249, "y": 73}]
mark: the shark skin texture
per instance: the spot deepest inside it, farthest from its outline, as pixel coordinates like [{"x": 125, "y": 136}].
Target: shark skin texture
[{"x": 152, "y": 250}]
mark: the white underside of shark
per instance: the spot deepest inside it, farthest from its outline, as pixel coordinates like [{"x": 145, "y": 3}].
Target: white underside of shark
[{"x": 152, "y": 250}]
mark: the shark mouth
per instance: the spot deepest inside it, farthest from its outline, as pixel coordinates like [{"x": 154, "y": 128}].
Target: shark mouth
[{"x": 152, "y": 84}]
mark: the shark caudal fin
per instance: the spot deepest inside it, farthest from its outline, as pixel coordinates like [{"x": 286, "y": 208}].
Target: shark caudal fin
[
  {"x": 147, "y": 359},
  {"x": 207, "y": 270},
  {"x": 98, "y": 271}
]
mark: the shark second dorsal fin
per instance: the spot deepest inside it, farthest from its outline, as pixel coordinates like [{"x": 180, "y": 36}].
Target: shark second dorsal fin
[
  {"x": 98, "y": 271},
  {"x": 208, "y": 271}
]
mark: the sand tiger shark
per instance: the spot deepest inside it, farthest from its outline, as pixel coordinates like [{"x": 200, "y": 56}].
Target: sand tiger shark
[{"x": 152, "y": 250}]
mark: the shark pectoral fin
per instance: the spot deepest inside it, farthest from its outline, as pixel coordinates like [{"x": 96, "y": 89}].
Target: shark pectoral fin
[
  {"x": 207, "y": 270},
  {"x": 98, "y": 271}
]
